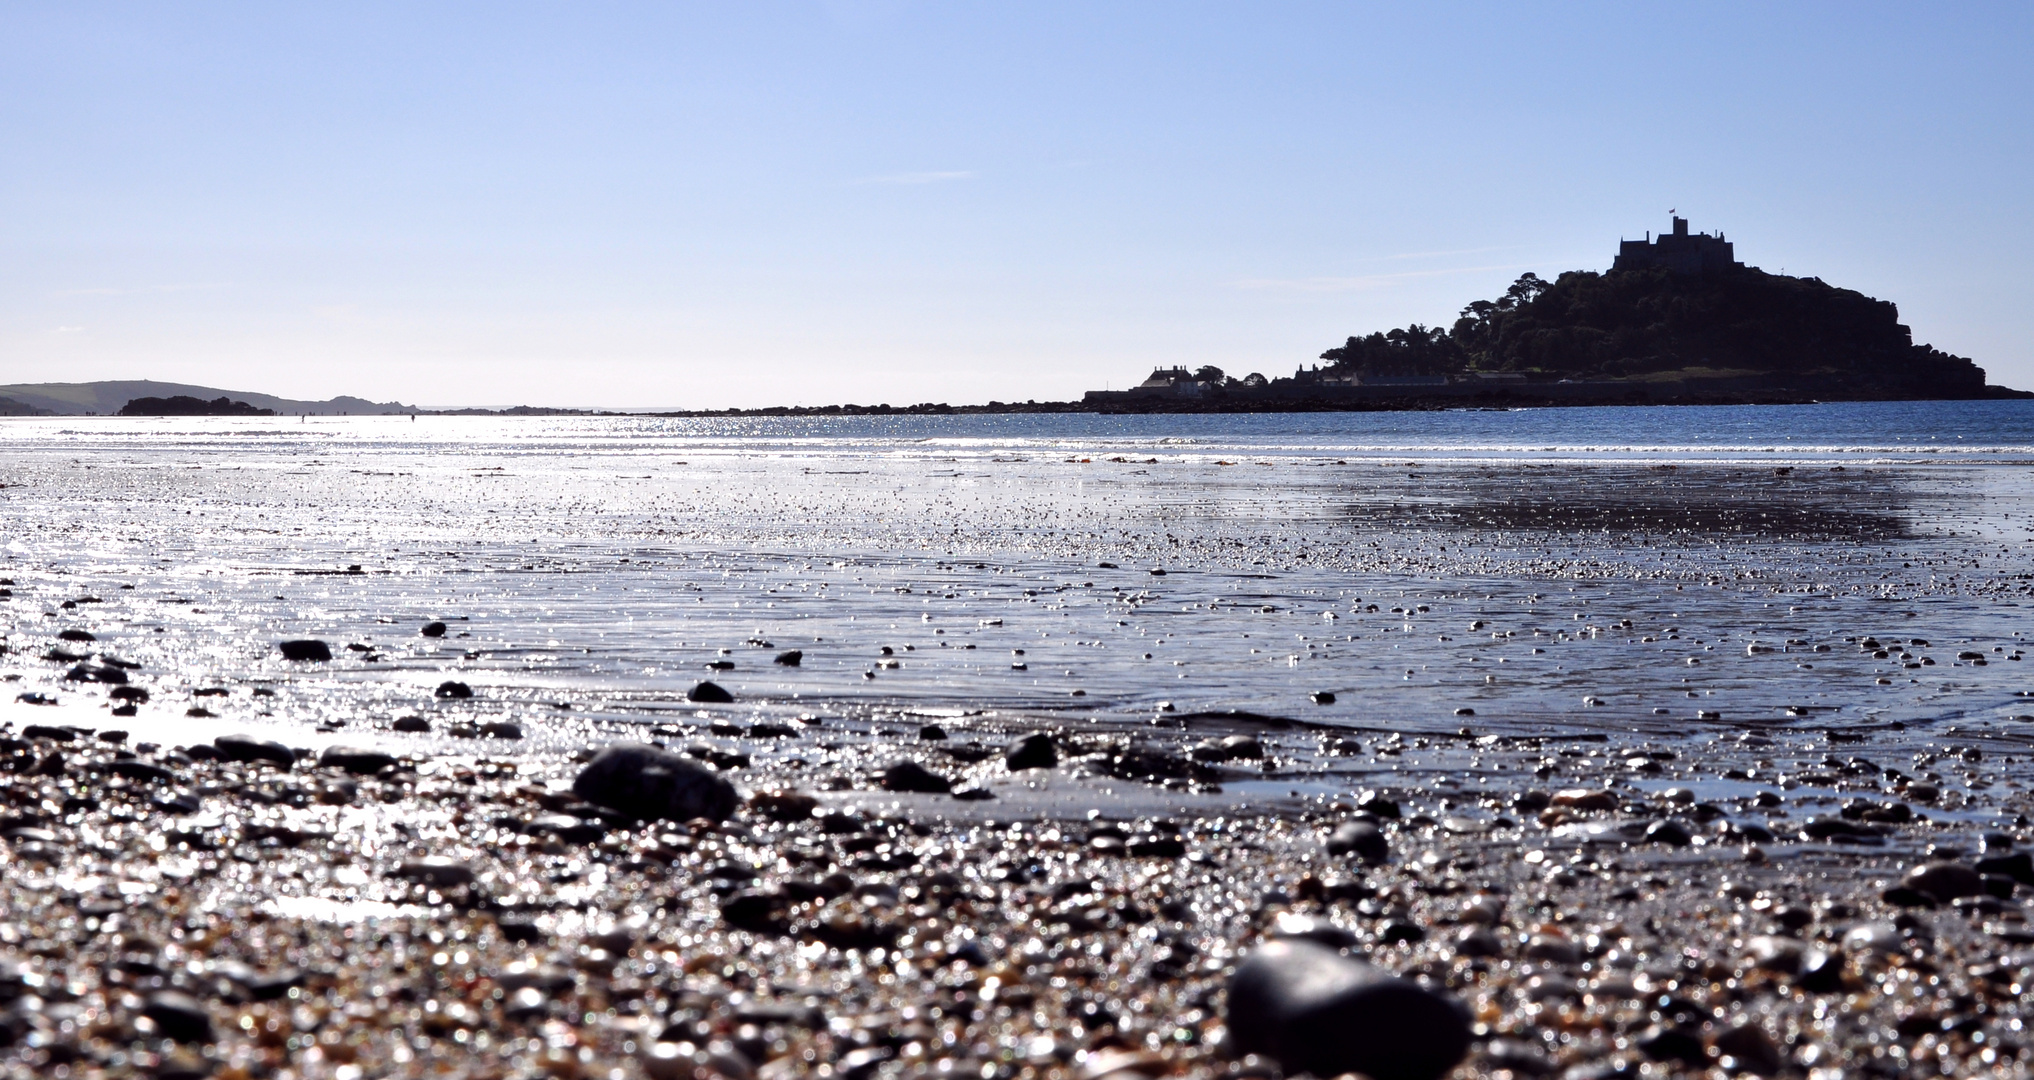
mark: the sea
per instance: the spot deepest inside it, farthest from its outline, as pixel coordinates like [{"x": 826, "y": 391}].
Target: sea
[{"x": 1735, "y": 577}]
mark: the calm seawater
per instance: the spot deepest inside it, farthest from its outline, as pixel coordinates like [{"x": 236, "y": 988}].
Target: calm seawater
[{"x": 1687, "y": 572}]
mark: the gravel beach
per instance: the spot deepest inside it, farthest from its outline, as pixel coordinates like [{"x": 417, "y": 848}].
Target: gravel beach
[{"x": 595, "y": 755}]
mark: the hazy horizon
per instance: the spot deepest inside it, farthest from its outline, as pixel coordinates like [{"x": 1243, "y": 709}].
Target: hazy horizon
[{"x": 697, "y": 206}]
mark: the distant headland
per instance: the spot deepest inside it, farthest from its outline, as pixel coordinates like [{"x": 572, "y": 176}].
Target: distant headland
[
  {"x": 1676, "y": 320},
  {"x": 152, "y": 398}
]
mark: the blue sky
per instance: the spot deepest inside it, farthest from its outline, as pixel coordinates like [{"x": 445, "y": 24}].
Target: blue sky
[{"x": 878, "y": 200}]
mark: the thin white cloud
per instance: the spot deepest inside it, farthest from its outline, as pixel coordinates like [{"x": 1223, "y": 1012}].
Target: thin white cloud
[
  {"x": 68, "y": 330},
  {"x": 1361, "y": 283},
  {"x": 918, "y": 178}
]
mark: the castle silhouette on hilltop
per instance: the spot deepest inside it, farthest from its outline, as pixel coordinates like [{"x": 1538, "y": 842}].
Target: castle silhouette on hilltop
[{"x": 1678, "y": 252}]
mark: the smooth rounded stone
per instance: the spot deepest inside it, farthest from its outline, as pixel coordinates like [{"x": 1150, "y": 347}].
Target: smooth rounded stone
[
  {"x": 1821, "y": 972},
  {"x": 1836, "y": 828},
  {"x": 1243, "y": 748},
  {"x": 359, "y": 760},
  {"x": 1482, "y": 911},
  {"x": 249, "y": 748},
  {"x": 1927, "y": 793},
  {"x": 1033, "y": 751},
  {"x": 790, "y": 657},
  {"x": 453, "y": 689},
  {"x": 1313, "y": 1010},
  {"x": 1584, "y": 799},
  {"x": 415, "y": 725},
  {"x": 1323, "y": 697},
  {"x": 910, "y": 776},
  {"x": 436, "y": 871},
  {"x": 1478, "y": 941},
  {"x": 1289, "y": 926},
  {"x": 76, "y": 635},
  {"x": 709, "y": 693},
  {"x": 1769, "y": 952},
  {"x": 1378, "y": 804},
  {"x": 1749, "y": 1049},
  {"x": 502, "y": 729},
  {"x": 1663, "y": 1043},
  {"x": 433, "y": 629},
  {"x": 1531, "y": 801},
  {"x": 685, "y": 1061},
  {"x": 784, "y": 804},
  {"x": 128, "y": 693},
  {"x": 1361, "y": 839},
  {"x": 1399, "y": 931},
  {"x": 1945, "y": 881},
  {"x": 973, "y": 793},
  {"x": 932, "y": 733},
  {"x": 1875, "y": 937},
  {"x": 1671, "y": 833},
  {"x": 178, "y": 1016},
  {"x": 307, "y": 649},
  {"x": 2018, "y": 865},
  {"x": 651, "y": 783},
  {"x": 1552, "y": 950},
  {"x": 145, "y": 771},
  {"x": 96, "y": 673}
]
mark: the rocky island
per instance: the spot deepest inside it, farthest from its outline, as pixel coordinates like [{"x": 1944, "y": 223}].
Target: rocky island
[{"x": 1676, "y": 320}]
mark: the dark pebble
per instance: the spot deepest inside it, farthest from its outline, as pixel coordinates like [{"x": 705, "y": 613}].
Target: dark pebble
[
  {"x": 179, "y": 1017},
  {"x": 1359, "y": 838},
  {"x": 249, "y": 748},
  {"x": 96, "y": 673},
  {"x": 411, "y": 724},
  {"x": 358, "y": 760},
  {"x": 1313, "y": 1010},
  {"x": 911, "y": 776},
  {"x": 433, "y": 629},
  {"x": 1945, "y": 881},
  {"x": 305, "y": 649},
  {"x": 452, "y": 688},
  {"x": 709, "y": 693},
  {"x": 435, "y": 871},
  {"x": 791, "y": 658},
  {"x": 1033, "y": 751},
  {"x": 647, "y": 782}
]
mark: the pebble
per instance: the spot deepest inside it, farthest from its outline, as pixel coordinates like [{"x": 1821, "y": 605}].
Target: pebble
[
  {"x": 249, "y": 748},
  {"x": 1314, "y": 1010},
  {"x": 650, "y": 783},
  {"x": 709, "y": 693},
  {"x": 1359, "y": 838},
  {"x": 453, "y": 689},
  {"x": 1945, "y": 881},
  {"x": 909, "y": 776},
  {"x": 96, "y": 673},
  {"x": 307, "y": 649},
  {"x": 1033, "y": 751},
  {"x": 433, "y": 629},
  {"x": 178, "y": 1016},
  {"x": 362, "y": 761},
  {"x": 436, "y": 871}
]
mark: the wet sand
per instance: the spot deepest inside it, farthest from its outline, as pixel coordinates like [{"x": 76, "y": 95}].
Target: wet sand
[{"x": 1738, "y": 671}]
